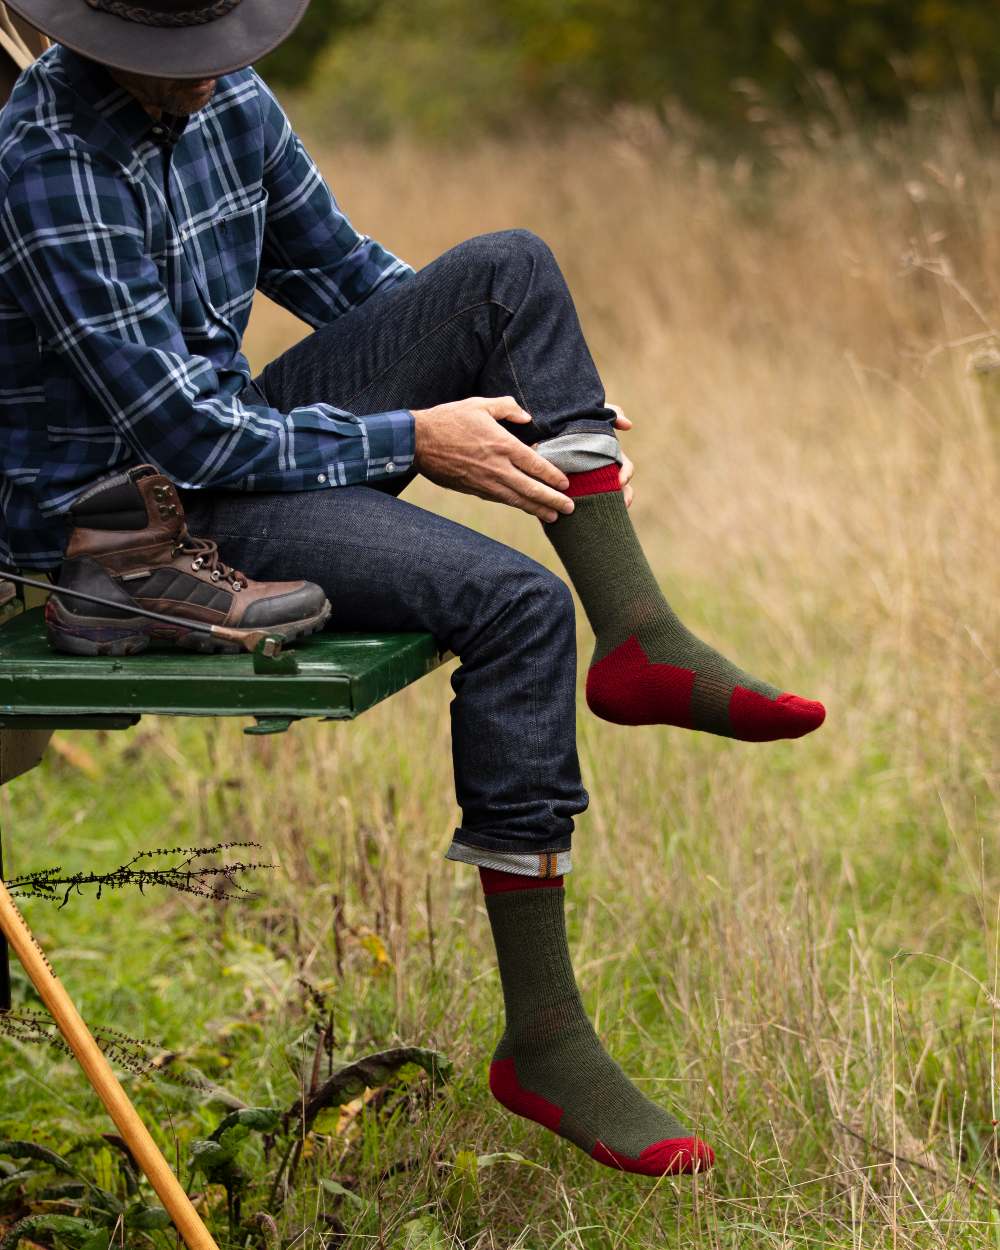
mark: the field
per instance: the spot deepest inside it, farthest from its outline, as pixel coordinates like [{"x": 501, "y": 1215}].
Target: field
[{"x": 795, "y": 946}]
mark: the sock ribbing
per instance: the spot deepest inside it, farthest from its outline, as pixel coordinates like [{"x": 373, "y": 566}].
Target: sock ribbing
[
  {"x": 648, "y": 668},
  {"x": 550, "y": 1066}
]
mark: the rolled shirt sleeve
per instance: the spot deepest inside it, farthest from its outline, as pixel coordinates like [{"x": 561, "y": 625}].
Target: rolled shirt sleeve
[{"x": 74, "y": 252}]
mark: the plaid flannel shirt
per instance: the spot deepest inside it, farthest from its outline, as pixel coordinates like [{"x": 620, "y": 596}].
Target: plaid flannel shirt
[{"x": 129, "y": 254}]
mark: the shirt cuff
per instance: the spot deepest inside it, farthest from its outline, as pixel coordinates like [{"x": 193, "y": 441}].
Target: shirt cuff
[{"x": 389, "y": 444}]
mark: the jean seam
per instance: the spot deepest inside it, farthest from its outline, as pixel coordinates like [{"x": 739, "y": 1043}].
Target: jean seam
[
  {"x": 499, "y": 835},
  {"x": 460, "y": 312},
  {"x": 484, "y": 584},
  {"x": 522, "y": 394},
  {"x": 286, "y": 540}
]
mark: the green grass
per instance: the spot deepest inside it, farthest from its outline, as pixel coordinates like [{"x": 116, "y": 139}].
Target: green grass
[
  {"x": 794, "y": 945},
  {"x": 741, "y": 969}
]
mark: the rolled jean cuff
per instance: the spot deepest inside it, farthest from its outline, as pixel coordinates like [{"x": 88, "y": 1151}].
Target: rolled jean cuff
[
  {"x": 520, "y": 864},
  {"x": 581, "y": 451}
]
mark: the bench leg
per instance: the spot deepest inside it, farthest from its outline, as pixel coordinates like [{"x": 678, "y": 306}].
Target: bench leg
[
  {"x": 5, "y": 998},
  {"x": 98, "y": 1071},
  {"x": 21, "y": 750}
]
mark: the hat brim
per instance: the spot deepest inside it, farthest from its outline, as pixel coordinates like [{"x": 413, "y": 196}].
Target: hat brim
[{"x": 244, "y": 35}]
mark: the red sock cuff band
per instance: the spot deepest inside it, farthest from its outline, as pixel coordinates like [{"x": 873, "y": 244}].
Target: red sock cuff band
[
  {"x": 595, "y": 482},
  {"x": 502, "y": 882}
]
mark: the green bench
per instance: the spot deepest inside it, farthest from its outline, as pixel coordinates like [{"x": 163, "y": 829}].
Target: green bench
[{"x": 327, "y": 677}]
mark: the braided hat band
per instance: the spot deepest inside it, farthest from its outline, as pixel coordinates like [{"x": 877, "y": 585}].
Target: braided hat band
[{"x": 159, "y": 17}]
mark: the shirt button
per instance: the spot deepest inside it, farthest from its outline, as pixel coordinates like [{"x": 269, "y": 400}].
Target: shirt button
[
  {"x": 321, "y": 478},
  {"x": 391, "y": 467},
  {"x": 159, "y": 132}
]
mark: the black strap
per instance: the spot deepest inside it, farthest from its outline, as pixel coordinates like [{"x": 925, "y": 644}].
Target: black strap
[{"x": 155, "y": 17}]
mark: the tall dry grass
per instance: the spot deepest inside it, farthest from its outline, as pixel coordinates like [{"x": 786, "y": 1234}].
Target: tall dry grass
[{"x": 793, "y": 945}]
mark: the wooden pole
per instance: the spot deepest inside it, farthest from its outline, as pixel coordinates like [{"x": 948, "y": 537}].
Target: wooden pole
[{"x": 90, "y": 1057}]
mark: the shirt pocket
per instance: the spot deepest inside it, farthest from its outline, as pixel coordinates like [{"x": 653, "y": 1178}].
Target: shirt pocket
[{"x": 239, "y": 239}]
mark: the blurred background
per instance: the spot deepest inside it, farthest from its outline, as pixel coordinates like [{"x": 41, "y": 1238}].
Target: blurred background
[
  {"x": 450, "y": 69},
  {"x": 781, "y": 224}
]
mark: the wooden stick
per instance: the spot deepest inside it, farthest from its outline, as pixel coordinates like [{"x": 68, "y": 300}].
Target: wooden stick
[{"x": 102, "y": 1078}]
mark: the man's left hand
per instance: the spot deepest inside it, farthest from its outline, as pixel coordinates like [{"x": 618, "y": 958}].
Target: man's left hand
[{"x": 628, "y": 468}]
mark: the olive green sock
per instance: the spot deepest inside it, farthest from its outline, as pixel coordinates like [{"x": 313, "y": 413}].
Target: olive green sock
[
  {"x": 648, "y": 668},
  {"x": 550, "y": 1065}
]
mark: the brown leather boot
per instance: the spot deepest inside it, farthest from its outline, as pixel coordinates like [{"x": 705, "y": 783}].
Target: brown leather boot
[{"x": 129, "y": 543}]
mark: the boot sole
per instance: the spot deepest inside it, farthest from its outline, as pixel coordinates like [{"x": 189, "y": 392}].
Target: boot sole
[{"x": 89, "y": 635}]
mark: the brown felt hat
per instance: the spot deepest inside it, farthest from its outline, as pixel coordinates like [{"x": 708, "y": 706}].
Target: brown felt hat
[{"x": 166, "y": 38}]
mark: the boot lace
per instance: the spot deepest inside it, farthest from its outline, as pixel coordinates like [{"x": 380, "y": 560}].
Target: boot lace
[{"x": 206, "y": 556}]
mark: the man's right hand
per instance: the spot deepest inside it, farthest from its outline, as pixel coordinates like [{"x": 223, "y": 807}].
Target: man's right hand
[{"x": 463, "y": 446}]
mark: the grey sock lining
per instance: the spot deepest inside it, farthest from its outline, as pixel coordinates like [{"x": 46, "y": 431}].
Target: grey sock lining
[{"x": 581, "y": 452}]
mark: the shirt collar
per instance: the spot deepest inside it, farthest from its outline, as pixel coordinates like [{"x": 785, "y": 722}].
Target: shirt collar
[{"x": 119, "y": 108}]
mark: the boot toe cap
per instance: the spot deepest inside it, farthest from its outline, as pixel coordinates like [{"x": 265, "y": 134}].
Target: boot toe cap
[{"x": 300, "y": 602}]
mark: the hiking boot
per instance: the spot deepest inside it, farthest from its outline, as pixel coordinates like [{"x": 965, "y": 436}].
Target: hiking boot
[{"x": 130, "y": 544}]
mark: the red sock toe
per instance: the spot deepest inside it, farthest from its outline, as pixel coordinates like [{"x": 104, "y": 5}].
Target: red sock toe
[
  {"x": 664, "y": 1158},
  {"x": 627, "y": 688},
  {"x": 755, "y": 718}
]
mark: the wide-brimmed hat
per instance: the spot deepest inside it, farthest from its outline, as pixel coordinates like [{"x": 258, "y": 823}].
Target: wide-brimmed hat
[{"x": 166, "y": 38}]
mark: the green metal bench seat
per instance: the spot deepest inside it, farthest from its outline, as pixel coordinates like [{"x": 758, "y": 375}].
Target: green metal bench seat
[
  {"x": 330, "y": 676},
  {"x": 327, "y": 676}
]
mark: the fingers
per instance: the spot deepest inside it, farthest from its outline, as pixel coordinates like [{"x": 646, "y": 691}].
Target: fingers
[
  {"x": 514, "y": 500},
  {"x": 625, "y": 478},
  {"x": 520, "y": 495},
  {"x": 621, "y": 421},
  {"x": 505, "y": 408},
  {"x": 534, "y": 496},
  {"x": 536, "y": 466}
]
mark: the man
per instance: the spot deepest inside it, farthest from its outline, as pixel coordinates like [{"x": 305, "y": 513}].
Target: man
[{"x": 147, "y": 184}]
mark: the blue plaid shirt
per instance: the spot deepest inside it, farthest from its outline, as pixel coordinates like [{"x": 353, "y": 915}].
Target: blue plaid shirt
[{"x": 129, "y": 254}]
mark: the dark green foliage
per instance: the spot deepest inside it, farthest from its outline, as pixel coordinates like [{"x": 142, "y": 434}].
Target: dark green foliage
[
  {"x": 325, "y": 20},
  {"x": 444, "y": 66},
  {"x": 48, "y": 1198},
  {"x": 372, "y": 1072},
  {"x": 77, "y": 1214}
]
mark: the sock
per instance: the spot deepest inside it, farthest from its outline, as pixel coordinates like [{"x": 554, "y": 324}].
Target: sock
[
  {"x": 648, "y": 668},
  {"x": 550, "y": 1066}
]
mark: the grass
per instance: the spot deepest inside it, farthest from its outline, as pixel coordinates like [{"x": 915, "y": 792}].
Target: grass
[{"x": 795, "y": 946}]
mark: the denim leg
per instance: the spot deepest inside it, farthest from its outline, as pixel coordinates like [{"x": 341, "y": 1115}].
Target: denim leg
[
  {"x": 386, "y": 566},
  {"x": 492, "y": 316}
]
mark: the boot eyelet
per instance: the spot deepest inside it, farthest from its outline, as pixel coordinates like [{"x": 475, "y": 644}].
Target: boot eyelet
[
  {"x": 237, "y": 585},
  {"x": 196, "y": 564},
  {"x": 216, "y": 575}
]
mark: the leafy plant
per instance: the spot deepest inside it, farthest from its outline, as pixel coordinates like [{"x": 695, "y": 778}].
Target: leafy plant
[
  {"x": 349, "y": 1086},
  {"x": 53, "y": 1200},
  {"x": 215, "y": 1157}
]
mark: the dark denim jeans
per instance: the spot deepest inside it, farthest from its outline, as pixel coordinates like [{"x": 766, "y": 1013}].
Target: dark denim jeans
[{"x": 491, "y": 317}]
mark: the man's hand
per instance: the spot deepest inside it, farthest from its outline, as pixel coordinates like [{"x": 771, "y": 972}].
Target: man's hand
[
  {"x": 628, "y": 468},
  {"x": 463, "y": 446}
]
